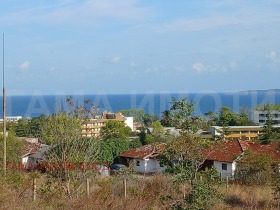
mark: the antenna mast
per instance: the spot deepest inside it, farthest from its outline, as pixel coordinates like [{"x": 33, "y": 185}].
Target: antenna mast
[{"x": 4, "y": 113}]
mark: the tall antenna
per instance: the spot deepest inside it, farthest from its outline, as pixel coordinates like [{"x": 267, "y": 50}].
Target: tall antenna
[{"x": 4, "y": 112}]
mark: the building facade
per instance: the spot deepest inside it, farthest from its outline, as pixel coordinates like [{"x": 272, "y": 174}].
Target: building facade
[
  {"x": 92, "y": 127},
  {"x": 260, "y": 116}
]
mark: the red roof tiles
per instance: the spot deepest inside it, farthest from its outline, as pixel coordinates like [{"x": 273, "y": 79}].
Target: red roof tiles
[
  {"x": 143, "y": 152},
  {"x": 228, "y": 151}
]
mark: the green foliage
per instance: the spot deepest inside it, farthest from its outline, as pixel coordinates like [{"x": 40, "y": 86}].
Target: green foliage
[
  {"x": 158, "y": 129},
  {"x": 150, "y": 139},
  {"x": 137, "y": 114},
  {"x": 148, "y": 119},
  {"x": 115, "y": 129},
  {"x": 255, "y": 169},
  {"x": 59, "y": 129},
  {"x": 187, "y": 154},
  {"x": 166, "y": 119},
  {"x": 263, "y": 107},
  {"x": 269, "y": 132},
  {"x": 135, "y": 143},
  {"x": 142, "y": 136},
  {"x": 14, "y": 148},
  {"x": 68, "y": 149},
  {"x": 227, "y": 117},
  {"x": 111, "y": 148},
  {"x": 181, "y": 111},
  {"x": 29, "y": 128},
  {"x": 204, "y": 195},
  {"x": 212, "y": 118}
]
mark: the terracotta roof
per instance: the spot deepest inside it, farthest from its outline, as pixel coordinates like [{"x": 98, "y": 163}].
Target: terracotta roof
[
  {"x": 225, "y": 151},
  {"x": 143, "y": 152},
  {"x": 269, "y": 149},
  {"x": 228, "y": 151}
]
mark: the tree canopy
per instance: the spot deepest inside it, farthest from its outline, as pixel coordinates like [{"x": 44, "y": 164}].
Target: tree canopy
[{"x": 114, "y": 129}]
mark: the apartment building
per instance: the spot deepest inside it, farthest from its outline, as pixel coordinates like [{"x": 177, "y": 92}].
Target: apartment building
[
  {"x": 93, "y": 126},
  {"x": 238, "y": 132},
  {"x": 260, "y": 116}
]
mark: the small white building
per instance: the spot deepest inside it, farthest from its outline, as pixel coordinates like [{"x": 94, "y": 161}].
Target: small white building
[
  {"x": 223, "y": 156},
  {"x": 30, "y": 160},
  {"x": 12, "y": 119},
  {"x": 129, "y": 122},
  {"x": 146, "y": 158}
]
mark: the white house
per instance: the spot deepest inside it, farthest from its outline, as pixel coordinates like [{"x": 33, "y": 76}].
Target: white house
[
  {"x": 223, "y": 156},
  {"x": 30, "y": 159},
  {"x": 146, "y": 158}
]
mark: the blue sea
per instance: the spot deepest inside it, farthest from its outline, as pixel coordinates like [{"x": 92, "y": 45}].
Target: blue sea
[{"x": 36, "y": 105}]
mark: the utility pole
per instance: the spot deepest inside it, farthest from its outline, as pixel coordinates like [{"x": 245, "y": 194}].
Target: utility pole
[{"x": 4, "y": 113}]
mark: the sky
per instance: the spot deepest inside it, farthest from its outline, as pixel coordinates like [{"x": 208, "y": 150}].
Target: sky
[{"x": 55, "y": 47}]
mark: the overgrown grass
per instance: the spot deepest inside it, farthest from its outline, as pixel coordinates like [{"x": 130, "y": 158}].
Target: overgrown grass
[{"x": 149, "y": 192}]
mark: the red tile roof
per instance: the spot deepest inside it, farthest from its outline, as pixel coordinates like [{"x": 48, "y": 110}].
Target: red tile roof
[
  {"x": 228, "y": 151},
  {"x": 269, "y": 149},
  {"x": 225, "y": 151},
  {"x": 143, "y": 152}
]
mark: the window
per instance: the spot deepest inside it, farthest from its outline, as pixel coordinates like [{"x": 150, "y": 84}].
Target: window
[
  {"x": 224, "y": 166},
  {"x": 137, "y": 163}
]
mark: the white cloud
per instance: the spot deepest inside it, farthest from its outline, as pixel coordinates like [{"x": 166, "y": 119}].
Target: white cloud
[
  {"x": 115, "y": 59},
  {"x": 198, "y": 24},
  {"x": 79, "y": 12},
  {"x": 162, "y": 70},
  {"x": 274, "y": 61},
  {"x": 24, "y": 66},
  {"x": 198, "y": 67}
]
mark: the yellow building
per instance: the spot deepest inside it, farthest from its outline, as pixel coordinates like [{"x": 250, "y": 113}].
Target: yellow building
[
  {"x": 237, "y": 132},
  {"x": 92, "y": 127}
]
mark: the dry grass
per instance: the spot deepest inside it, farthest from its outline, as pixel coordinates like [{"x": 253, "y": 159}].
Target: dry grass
[{"x": 153, "y": 192}]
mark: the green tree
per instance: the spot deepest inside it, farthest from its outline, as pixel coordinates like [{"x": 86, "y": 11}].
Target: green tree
[
  {"x": 255, "y": 169},
  {"x": 115, "y": 129},
  {"x": 62, "y": 131},
  {"x": 30, "y": 128},
  {"x": 227, "y": 117},
  {"x": 158, "y": 130},
  {"x": 269, "y": 132},
  {"x": 187, "y": 154},
  {"x": 135, "y": 143},
  {"x": 148, "y": 119},
  {"x": 14, "y": 148},
  {"x": 212, "y": 118},
  {"x": 243, "y": 118},
  {"x": 166, "y": 118},
  {"x": 111, "y": 148},
  {"x": 181, "y": 111},
  {"x": 137, "y": 114}
]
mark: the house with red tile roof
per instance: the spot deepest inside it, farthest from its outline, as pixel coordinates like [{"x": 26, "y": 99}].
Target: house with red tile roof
[
  {"x": 146, "y": 158},
  {"x": 224, "y": 155},
  {"x": 34, "y": 155}
]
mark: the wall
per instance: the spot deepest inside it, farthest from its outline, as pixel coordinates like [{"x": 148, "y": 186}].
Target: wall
[
  {"x": 141, "y": 167},
  {"x": 129, "y": 122},
  {"x": 148, "y": 166},
  {"x": 224, "y": 173},
  {"x": 152, "y": 165}
]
